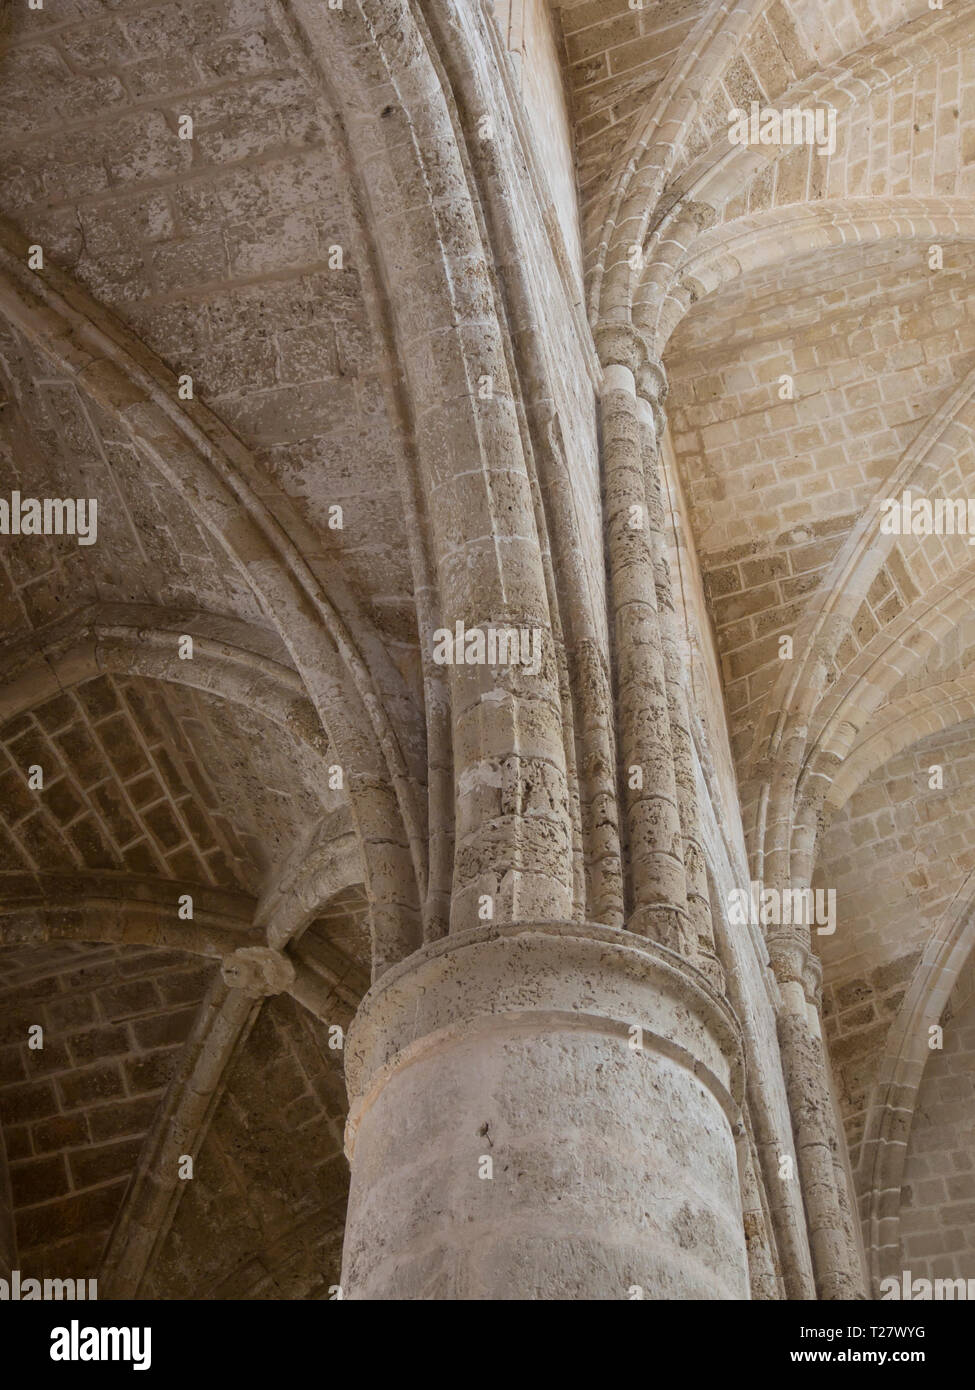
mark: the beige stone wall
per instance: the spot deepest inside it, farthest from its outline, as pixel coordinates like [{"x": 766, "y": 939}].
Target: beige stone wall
[
  {"x": 531, "y": 37},
  {"x": 775, "y": 485},
  {"x": 75, "y": 1112},
  {"x": 938, "y": 1196}
]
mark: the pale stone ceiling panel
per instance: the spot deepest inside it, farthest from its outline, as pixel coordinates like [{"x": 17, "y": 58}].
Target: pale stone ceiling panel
[
  {"x": 775, "y": 485},
  {"x": 899, "y": 851},
  {"x": 149, "y": 546},
  {"x": 219, "y": 251},
  {"x": 156, "y": 779}
]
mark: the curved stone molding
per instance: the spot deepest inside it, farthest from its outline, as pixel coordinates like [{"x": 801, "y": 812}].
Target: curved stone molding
[
  {"x": 894, "y": 1096},
  {"x": 138, "y": 639},
  {"x": 711, "y": 44},
  {"x": 473, "y": 466},
  {"x": 785, "y": 233},
  {"x": 125, "y": 909},
  {"x": 207, "y": 464},
  {"x": 222, "y": 1026},
  {"x": 809, "y": 726}
]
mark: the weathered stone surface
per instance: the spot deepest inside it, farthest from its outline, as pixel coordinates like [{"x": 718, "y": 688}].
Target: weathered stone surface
[{"x": 370, "y": 323}]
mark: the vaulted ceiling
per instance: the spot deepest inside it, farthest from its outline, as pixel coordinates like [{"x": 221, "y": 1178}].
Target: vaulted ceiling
[
  {"x": 172, "y": 774},
  {"x": 814, "y": 315},
  {"x": 242, "y": 259}
]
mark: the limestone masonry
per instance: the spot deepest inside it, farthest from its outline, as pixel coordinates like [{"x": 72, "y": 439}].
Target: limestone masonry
[{"x": 487, "y": 651}]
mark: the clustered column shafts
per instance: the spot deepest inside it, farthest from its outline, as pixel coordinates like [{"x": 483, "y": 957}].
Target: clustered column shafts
[
  {"x": 764, "y": 1278},
  {"x": 832, "y": 1235},
  {"x": 668, "y": 884},
  {"x": 652, "y": 384},
  {"x": 658, "y": 897}
]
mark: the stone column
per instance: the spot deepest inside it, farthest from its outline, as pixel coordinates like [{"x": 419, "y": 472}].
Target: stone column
[
  {"x": 544, "y": 1111},
  {"x": 658, "y": 897},
  {"x": 652, "y": 385},
  {"x": 833, "y": 1241}
]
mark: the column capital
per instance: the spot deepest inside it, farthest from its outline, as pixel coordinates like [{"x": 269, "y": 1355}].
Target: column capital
[
  {"x": 795, "y": 962},
  {"x": 652, "y": 387},
  {"x": 621, "y": 345},
  {"x": 625, "y": 345}
]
